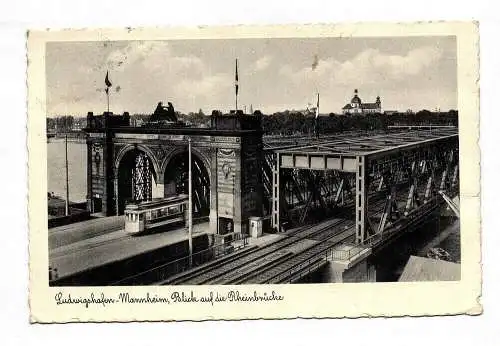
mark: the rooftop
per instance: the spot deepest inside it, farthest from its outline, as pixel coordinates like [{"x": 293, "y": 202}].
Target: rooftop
[{"x": 428, "y": 269}]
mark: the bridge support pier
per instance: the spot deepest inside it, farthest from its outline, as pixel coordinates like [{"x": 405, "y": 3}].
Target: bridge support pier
[{"x": 356, "y": 269}]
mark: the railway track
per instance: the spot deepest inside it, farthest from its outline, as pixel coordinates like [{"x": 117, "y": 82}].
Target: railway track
[
  {"x": 204, "y": 269},
  {"x": 211, "y": 274},
  {"x": 304, "y": 262},
  {"x": 269, "y": 272},
  {"x": 260, "y": 273},
  {"x": 158, "y": 273},
  {"x": 225, "y": 272},
  {"x": 264, "y": 274},
  {"x": 236, "y": 275}
]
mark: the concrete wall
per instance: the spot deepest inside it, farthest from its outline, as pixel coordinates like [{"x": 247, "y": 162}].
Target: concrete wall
[{"x": 336, "y": 272}]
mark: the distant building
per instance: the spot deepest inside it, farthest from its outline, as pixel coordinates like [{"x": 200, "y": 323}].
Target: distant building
[
  {"x": 356, "y": 106},
  {"x": 79, "y": 123}
]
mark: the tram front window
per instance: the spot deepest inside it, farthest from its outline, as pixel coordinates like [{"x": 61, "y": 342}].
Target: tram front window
[{"x": 173, "y": 210}]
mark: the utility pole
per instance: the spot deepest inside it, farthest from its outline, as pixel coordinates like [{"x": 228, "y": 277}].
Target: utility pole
[
  {"x": 190, "y": 206},
  {"x": 67, "y": 178},
  {"x": 316, "y": 130}
]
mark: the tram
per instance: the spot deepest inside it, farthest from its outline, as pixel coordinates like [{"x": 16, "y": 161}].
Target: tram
[{"x": 151, "y": 215}]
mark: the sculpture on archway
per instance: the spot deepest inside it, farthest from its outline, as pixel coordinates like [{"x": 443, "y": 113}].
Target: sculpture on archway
[{"x": 163, "y": 114}]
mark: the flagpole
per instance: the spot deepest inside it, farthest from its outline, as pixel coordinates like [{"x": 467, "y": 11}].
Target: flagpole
[
  {"x": 108, "y": 85},
  {"x": 236, "y": 86}
]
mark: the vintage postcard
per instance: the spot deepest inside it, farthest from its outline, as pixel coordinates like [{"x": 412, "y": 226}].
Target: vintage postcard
[{"x": 254, "y": 172}]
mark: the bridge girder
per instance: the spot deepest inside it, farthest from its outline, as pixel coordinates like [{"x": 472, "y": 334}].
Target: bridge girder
[{"x": 402, "y": 165}]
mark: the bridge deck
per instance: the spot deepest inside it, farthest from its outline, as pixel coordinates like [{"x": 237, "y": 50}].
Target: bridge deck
[
  {"x": 75, "y": 232},
  {"x": 111, "y": 247}
]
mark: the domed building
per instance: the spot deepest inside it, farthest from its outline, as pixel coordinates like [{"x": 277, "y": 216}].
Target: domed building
[{"x": 356, "y": 106}]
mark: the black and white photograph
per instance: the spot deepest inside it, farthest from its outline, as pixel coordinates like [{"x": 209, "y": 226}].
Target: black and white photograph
[
  {"x": 253, "y": 161},
  {"x": 254, "y": 172}
]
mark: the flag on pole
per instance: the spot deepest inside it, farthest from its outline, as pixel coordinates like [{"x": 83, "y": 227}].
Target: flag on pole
[
  {"x": 107, "y": 82},
  {"x": 317, "y": 107},
  {"x": 236, "y": 78}
]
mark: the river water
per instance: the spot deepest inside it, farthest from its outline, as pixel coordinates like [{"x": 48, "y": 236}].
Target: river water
[
  {"x": 443, "y": 232},
  {"x": 77, "y": 169}
]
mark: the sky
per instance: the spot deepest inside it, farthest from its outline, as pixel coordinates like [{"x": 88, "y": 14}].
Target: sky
[{"x": 274, "y": 74}]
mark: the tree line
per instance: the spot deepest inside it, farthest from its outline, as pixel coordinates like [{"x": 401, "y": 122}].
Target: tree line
[
  {"x": 287, "y": 123},
  {"x": 291, "y": 122}
]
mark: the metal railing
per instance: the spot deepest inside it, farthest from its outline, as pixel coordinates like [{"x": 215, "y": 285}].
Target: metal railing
[
  {"x": 316, "y": 261},
  {"x": 233, "y": 237},
  {"x": 410, "y": 219},
  {"x": 344, "y": 254},
  {"x": 162, "y": 272}
]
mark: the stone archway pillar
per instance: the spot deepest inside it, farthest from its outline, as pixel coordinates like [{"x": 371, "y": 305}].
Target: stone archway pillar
[
  {"x": 115, "y": 196},
  {"x": 158, "y": 189},
  {"x": 238, "y": 217},
  {"x": 214, "y": 225}
]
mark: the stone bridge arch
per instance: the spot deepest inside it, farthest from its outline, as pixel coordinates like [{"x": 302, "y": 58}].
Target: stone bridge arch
[
  {"x": 174, "y": 175},
  {"x": 128, "y": 147},
  {"x": 135, "y": 172},
  {"x": 197, "y": 153}
]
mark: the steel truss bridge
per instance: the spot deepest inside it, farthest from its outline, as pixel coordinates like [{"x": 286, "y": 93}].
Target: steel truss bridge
[{"x": 351, "y": 173}]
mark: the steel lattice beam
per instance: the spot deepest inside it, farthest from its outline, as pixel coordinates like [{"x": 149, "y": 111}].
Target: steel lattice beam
[{"x": 381, "y": 163}]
